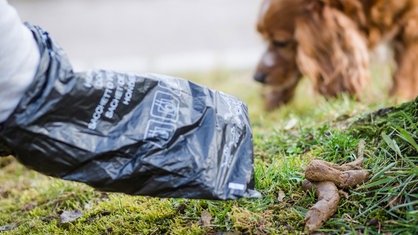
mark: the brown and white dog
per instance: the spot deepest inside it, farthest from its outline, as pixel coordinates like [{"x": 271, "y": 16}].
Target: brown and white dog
[{"x": 328, "y": 41}]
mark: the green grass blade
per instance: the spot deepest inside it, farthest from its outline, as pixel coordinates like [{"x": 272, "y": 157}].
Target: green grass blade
[
  {"x": 392, "y": 144},
  {"x": 407, "y": 137}
]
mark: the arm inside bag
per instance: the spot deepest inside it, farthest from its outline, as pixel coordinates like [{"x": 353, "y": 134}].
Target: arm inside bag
[{"x": 140, "y": 134}]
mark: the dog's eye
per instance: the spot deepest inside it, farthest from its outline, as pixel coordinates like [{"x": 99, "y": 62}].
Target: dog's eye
[{"x": 277, "y": 43}]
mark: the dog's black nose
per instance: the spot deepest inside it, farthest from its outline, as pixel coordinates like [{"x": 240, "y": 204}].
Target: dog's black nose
[{"x": 260, "y": 77}]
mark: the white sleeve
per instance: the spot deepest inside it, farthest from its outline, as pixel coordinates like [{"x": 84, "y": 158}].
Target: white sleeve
[{"x": 19, "y": 59}]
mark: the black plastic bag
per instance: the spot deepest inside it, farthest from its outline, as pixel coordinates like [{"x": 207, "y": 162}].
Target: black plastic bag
[{"x": 137, "y": 134}]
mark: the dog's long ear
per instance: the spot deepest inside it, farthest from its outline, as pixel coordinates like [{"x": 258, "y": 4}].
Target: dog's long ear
[{"x": 331, "y": 50}]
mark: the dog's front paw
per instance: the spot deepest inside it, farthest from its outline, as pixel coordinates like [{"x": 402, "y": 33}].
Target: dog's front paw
[{"x": 274, "y": 97}]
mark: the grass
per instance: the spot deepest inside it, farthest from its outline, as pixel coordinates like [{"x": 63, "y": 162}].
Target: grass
[{"x": 285, "y": 141}]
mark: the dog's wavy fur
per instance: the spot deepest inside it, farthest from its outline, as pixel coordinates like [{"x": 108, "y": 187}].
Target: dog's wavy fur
[{"x": 329, "y": 42}]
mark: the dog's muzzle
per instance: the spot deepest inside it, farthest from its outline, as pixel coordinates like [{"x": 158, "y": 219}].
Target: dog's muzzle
[{"x": 260, "y": 77}]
